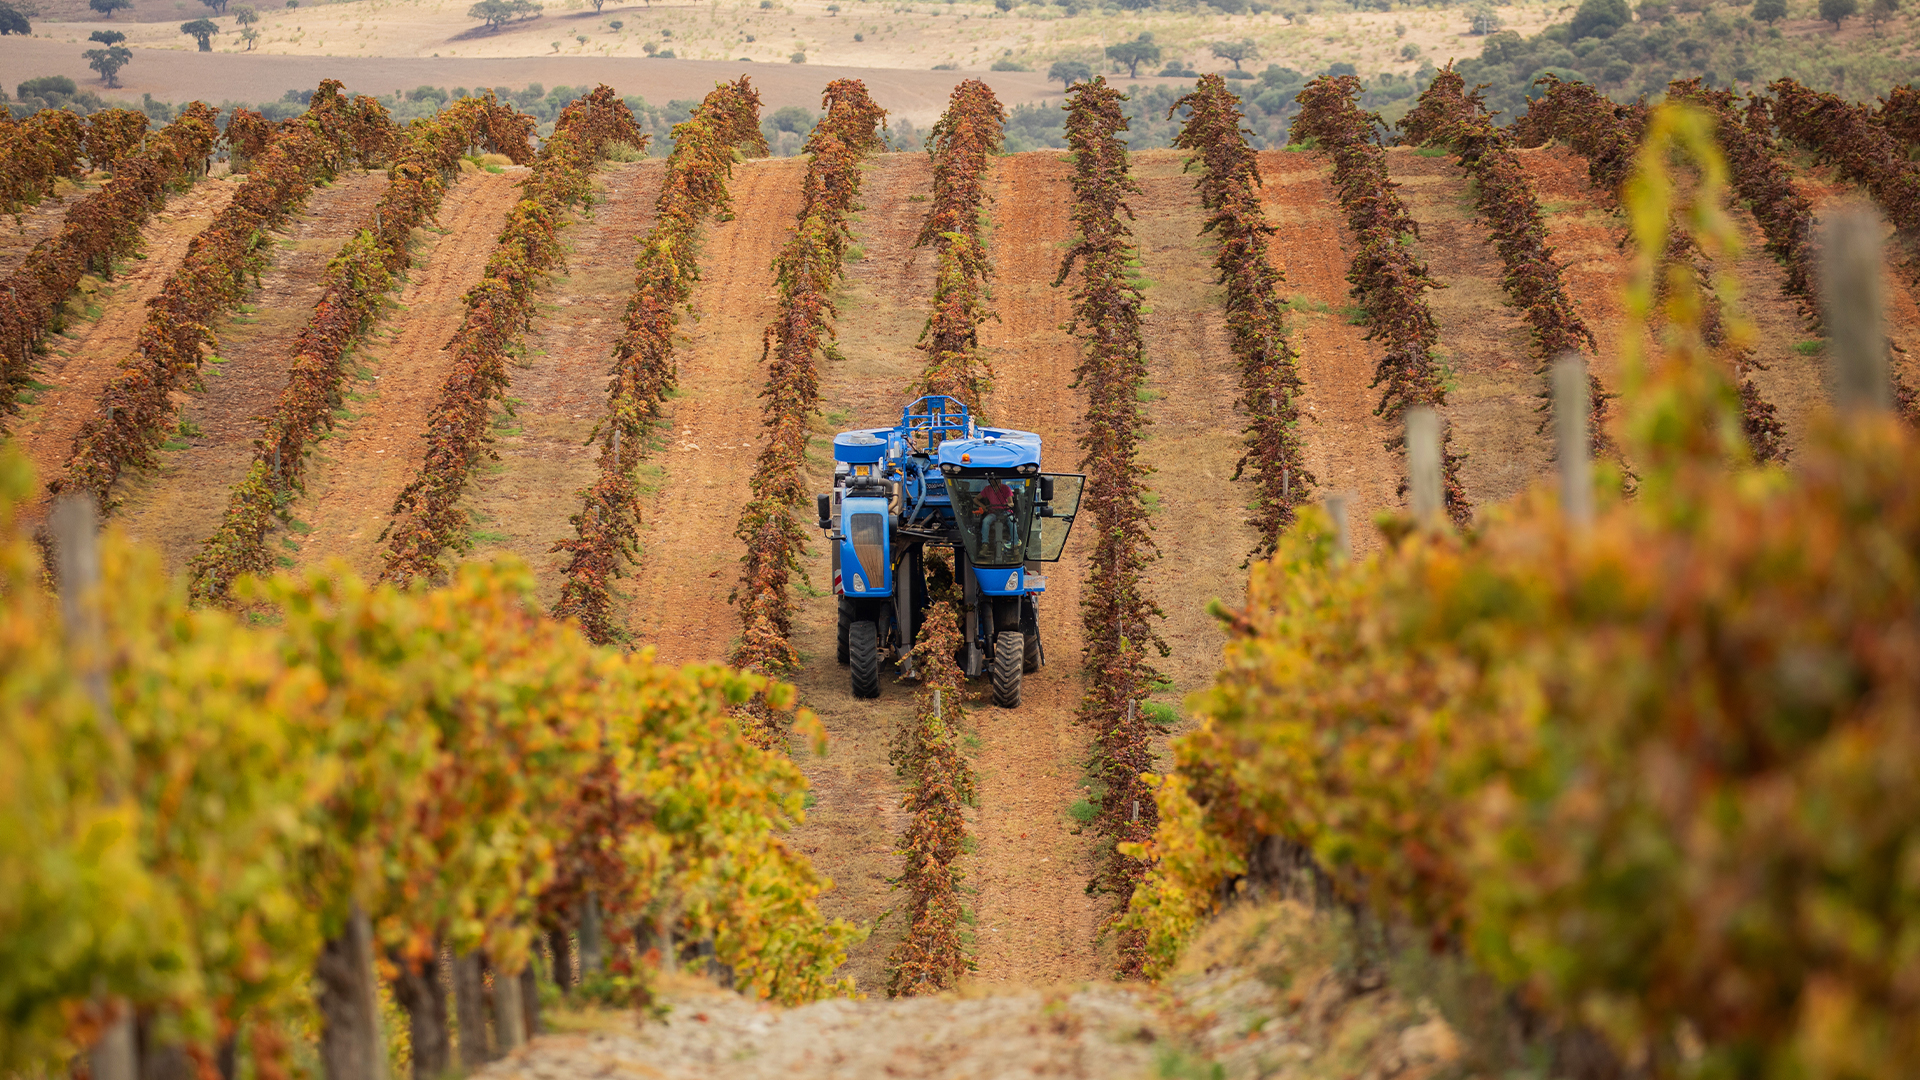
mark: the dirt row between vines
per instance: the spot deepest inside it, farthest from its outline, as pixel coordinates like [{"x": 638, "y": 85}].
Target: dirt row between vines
[
  {"x": 20, "y": 232},
  {"x": 374, "y": 450},
  {"x": 179, "y": 504},
  {"x": 557, "y": 391},
  {"x": 85, "y": 358}
]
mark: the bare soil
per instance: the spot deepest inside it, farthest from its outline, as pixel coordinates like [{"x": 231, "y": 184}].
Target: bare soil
[
  {"x": 1035, "y": 923},
  {"x": 374, "y": 451},
  {"x": 1345, "y": 442},
  {"x": 179, "y": 504},
  {"x": 557, "y": 393},
  {"x": 85, "y": 358},
  {"x": 1199, "y": 514},
  {"x": 689, "y": 559},
  {"x": 883, "y": 303},
  {"x": 1484, "y": 342}
]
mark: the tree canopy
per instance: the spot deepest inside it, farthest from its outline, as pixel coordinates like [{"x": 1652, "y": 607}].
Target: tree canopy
[
  {"x": 1131, "y": 54},
  {"x": 1236, "y": 51},
  {"x": 1069, "y": 72},
  {"x": 108, "y": 62},
  {"x": 202, "y": 31},
  {"x": 108, "y": 7}
]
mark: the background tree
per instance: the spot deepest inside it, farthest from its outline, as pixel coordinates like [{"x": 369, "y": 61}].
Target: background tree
[
  {"x": 107, "y": 37},
  {"x": 1836, "y": 11},
  {"x": 108, "y": 7},
  {"x": 1069, "y": 72},
  {"x": 495, "y": 13},
  {"x": 14, "y": 20},
  {"x": 1483, "y": 19},
  {"x": 108, "y": 62},
  {"x": 1599, "y": 18},
  {"x": 1769, "y": 11},
  {"x": 597, "y": 5},
  {"x": 1879, "y": 11},
  {"x": 218, "y": 7},
  {"x": 1131, "y": 54},
  {"x": 202, "y": 31},
  {"x": 246, "y": 15},
  {"x": 1236, "y": 51}
]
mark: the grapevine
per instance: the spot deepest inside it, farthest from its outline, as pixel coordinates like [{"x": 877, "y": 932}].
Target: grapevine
[
  {"x": 45, "y": 147},
  {"x": 931, "y": 956},
  {"x": 1389, "y": 280},
  {"x": 1116, "y": 614},
  {"x": 607, "y": 528},
  {"x": 968, "y": 134},
  {"x": 805, "y": 273},
  {"x": 416, "y": 755},
  {"x": 135, "y": 406},
  {"x": 1606, "y": 134},
  {"x": 98, "y": 229},
  {"x": 1899, "y": 115},
  {"x": 357, "y": 277},
  {"x": 1568, "y": 749},
  {"x": 426, "y": 522},
  {"x": 1449, "y": 116},
  {"x": 112, "y": 134},
  {"x": 1270, "y": 383}
]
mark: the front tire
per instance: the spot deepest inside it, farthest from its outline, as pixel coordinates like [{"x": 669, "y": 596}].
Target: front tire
[
  {"x": 863, "y": 651},
  {"x": 1009, "y": 655}
]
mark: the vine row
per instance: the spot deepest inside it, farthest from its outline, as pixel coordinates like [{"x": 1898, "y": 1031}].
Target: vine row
[
  {"x": 357, "y": 278},
  {"x": 967, "y": 136},
  {"x": 40, "y": 150},
  {"x": 1447, "y": 115},
  {"x": 426, "y": 520},
  {"x": 1609, "y": 135},
  {"x": 134, "y": 407},
  {"x": 1388, "y": 279},
  {"x": 1116, "y": 614},
  {"x": 607, "y": 528},
  {"x": 1270, "y": 383},
  {"x": 98, "y": 229},
  {"x": 805, "y": 273},
  {"x": 940, "y": 784}
]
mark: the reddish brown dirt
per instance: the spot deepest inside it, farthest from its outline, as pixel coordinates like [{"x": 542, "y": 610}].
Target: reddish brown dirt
[
  {"x": 1195, "y": 438},
  {"x": 178, "y": 505},
  {"x": 521, "y": 503},
  {"x": 1483, "y": 340},
  {"x": 1586, "y": 237},
  {"x": 1345, "y": 443},
  {"x": 856, "y": 817},
  {"x": 36, "y": 223},
  {"x": 86, "y": 357},
  {"x": 1035, "y": 922},
  {"x": 375, "y": 450},
  {"x": 689, "y": 560}
]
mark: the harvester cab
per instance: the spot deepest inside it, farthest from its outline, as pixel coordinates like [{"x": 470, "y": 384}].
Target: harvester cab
[{"x": 937, "y": 478}]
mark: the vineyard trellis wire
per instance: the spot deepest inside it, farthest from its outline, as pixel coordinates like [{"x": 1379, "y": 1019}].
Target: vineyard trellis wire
[
  {"x": 357, "y": 279},
  {"x": 426, "y": 520},
  {"x": 1270, "y": 384},
  {"x": 805, "y": 272},
  {"x": 1389, "y": 280},
  {"x": 1116, "y": 614},
  {"x": 607, "y": 527}
]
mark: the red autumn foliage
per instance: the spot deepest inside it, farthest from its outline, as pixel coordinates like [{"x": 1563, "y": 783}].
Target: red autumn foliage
[
  {"x": 967, "y": 136},
  {"x": 1389, "y": 280},
  {"x": 607, "y": 528},
  {"x": 357, "y": 279},
  {"x": 426, "y": 520},
  {"x": 1270, "y": 382},
  {"x": 98, "y": 229}
]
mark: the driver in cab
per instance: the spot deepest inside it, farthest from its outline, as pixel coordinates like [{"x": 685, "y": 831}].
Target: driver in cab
[{"x": 996, "y": 508}]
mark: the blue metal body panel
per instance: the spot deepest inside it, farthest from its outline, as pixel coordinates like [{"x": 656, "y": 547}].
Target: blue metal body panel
[{"x": 866, "y": 553}]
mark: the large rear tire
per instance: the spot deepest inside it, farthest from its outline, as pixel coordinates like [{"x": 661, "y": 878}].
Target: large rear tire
[
  {"x": 846, "y": 623},
  {"x": 863, "y": 652},
  {"x": 1030, "y": 654},
  {"x": 1009, "y": 654}
]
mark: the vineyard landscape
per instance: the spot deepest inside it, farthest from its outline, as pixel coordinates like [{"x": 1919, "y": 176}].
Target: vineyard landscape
[{"x": 1488, "y": 643}]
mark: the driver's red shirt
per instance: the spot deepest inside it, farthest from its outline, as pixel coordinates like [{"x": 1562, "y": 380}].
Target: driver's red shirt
[{"x": 996, "y": 496}]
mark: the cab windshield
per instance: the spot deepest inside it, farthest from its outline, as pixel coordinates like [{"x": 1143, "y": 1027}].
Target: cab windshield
[{"x": 995, "y": 516}]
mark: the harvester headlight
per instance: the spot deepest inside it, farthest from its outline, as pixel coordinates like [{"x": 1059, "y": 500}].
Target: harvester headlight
[
  {"x": 1013, "y": 580},
  {"x": 859, "y": 585},
  {"x": 1029, "y": 469}
]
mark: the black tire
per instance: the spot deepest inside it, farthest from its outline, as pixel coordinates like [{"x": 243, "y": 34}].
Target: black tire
[
  {"x": 1030, "y": 654},
  {"x": 1009, "y": 651},
  {"x": 846, "y": 623},
  {"x": 863, "y": 653}
]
